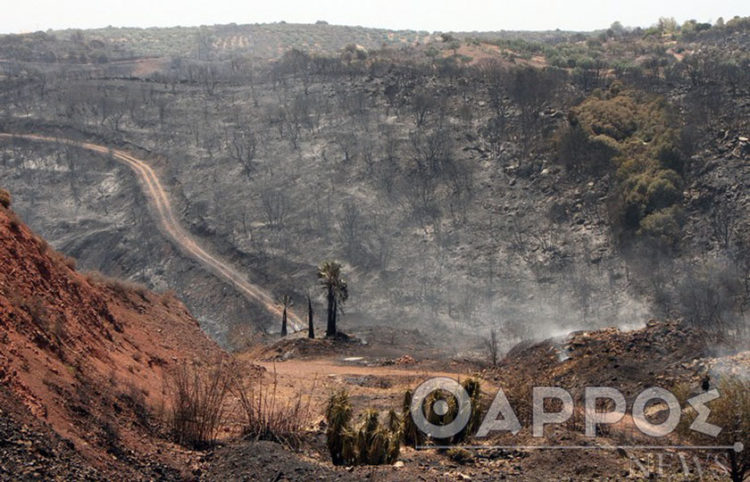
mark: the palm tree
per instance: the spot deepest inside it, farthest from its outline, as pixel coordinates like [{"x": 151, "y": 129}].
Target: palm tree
[
  {"x": 286, "y": 302},
  {"x": 310, "y": 326},
  {"x": 329, "y": 274}
]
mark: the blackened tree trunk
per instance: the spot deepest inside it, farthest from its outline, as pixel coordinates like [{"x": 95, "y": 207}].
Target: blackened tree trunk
[
  {"x": 283, "y": 323},
  {"x": 310, "y": 327},
  {"x": 331, "y": 326}
]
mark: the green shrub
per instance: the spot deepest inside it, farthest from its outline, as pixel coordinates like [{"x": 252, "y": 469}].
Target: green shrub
[
  {"x": 376, "y": 444},
  {"x": 584, "y": 154},
  {"x": 663, "y": 190},
  {"x": 473, "y": 389},
  {"x": 371, "y": 443},
  {"x": 670, "y": 158},
  {"x": 663, "y": 225},
  {"x": 631, "y": 131},
  {"x": 410, "y": 434},
  {"x": 338, "y": 417}
]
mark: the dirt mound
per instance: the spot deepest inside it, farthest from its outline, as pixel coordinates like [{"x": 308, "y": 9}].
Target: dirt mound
[
  {"x": 656, "y": 355},
  {"x": 88, "y": 356},
  {"x": 298, "y": 346}
]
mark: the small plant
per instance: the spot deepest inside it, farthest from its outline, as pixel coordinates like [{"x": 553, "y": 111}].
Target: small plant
[
  {"x": 5, "y": 198},
  {"x": 473, "y": 389},
  {"x": 119, "y": 287},
  {"x": 133, "y": 398},
  {"x": 110, "y": 437},
  {"x": 61, "y": 259},
  {"x": 338, "y": 417},
  {"x": 492, "y": 345},
  {"x": 376, "y": 444},
  {"x": 731, "y": 412},
  {"x": 460, "y": 456},
  {"x": 372, "y": 443},
  {"x": 198, "y": 404},
  {"x": 15, "y": 223},
  {"x": 410, "y": 434},
  {"x": 268, "y": 418}
]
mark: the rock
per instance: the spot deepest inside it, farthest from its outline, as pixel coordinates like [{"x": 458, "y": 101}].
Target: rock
[
  {"x": 404, "y": 360},
  {"x": 398, "y": 464}
]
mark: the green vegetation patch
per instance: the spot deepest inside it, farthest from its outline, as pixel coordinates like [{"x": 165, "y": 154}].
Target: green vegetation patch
[{"x": 633, "y": 133}]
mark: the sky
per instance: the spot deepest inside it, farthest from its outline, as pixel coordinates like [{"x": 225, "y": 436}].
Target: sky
[{"x": 17, "y": 16}]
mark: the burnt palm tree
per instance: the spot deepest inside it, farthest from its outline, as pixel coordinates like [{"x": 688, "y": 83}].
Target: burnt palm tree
[
  {"x": 286, "y": 302},
  {"x": 310, "y": 326},
  {"x": 329, "y": 274}
]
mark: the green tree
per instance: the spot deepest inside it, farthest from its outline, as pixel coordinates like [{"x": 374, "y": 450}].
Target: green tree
[{"x": 329, "y": 275}]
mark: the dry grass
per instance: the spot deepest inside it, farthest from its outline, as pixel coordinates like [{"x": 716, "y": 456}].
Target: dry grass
[
  {"x": 267, "y": 416},
  {"x": 119, "y": 287},
  {"x": 198, "y": 404},
  {"x": 61, "y": 259}
]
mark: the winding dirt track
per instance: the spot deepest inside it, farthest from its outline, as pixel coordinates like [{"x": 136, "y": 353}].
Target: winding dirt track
[{"x": 157, "y": 196}]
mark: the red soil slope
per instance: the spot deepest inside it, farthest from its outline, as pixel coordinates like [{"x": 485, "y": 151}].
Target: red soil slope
[{"x": 89, "y": 357}]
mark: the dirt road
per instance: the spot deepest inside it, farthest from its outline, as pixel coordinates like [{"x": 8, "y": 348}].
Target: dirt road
[{"x": 162, "y": 209}]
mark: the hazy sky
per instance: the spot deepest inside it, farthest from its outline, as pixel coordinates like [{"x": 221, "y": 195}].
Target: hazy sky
[{"x": 442, "y": 15}]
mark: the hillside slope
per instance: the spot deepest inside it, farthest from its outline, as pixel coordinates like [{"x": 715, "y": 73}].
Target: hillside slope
[{"x": 86, "y": 357}]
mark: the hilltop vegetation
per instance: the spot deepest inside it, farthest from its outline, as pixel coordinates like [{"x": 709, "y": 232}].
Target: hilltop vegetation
[{"x": 265, "y": 41}]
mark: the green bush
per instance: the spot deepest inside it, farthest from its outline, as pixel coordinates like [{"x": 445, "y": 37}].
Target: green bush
[
  {"x": 584, "y": 154},
  {"x": 632, "y": 131},
  {"x": 371, "y": 443},
  {"x": 663, "y": 190},
  {"x": 473, "y": 389},
  {"x": 338, "y": 417},
  {"x": 376, "y": 444},
  {"x": 663, "y": 225},
  {"x": 410, "y": 434}
]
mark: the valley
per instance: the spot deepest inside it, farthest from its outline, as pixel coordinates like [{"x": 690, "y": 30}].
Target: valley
[{"x": 236, "y": 252}]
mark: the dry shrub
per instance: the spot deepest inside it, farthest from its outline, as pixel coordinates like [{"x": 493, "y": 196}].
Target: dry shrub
[
  {"x": 119, "y": 287},
  {"x": 5, "y": 198},
  {"x": 168, "y": 297},
  {"x": 460, "y": 456},
  {"x": 36, "y": 308},
  {"x": 135, "y": 399},
  {"x": 198, "y": 405},
  {"x": 731, "y": 412},
  {"x": 519, "y": 392},
  {"x": 267, "y": 417},
  {"x": 15, "y": 222},
  {"x": 60, "y": 259}
]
